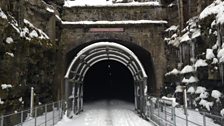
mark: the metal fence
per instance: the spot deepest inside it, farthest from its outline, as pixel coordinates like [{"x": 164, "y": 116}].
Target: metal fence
[
  {"x": 43, "y": 115},
  {"x": 164, "y": 114}
]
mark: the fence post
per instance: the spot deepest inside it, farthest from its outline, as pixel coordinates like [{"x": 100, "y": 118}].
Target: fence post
[
  {"x": 31, "y": 101},
  {"x": 165, "y": 112},
  {"x": 158, "y": 105},
  {"x": 53, "y": 112},
  {"x": 204, "y": 119},
  {"x": 46, "y": 115},
  {"x": 2, "y": 120},
  {"x": 35, "y": 116},
  {"x": 21, "y": 118},
  {"x": 174, "y": 116}
]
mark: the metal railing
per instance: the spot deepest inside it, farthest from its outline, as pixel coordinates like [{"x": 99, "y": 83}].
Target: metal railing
[
  {"x": 164, "y": 114},
  {"x": 43, "y": 115}
]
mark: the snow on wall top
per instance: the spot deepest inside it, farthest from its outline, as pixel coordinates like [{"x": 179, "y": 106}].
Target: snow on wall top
[
  {"x": 216, "y": 8},
  {"x": 115, "y": 22},
  {"x": 108, "y": 3}
]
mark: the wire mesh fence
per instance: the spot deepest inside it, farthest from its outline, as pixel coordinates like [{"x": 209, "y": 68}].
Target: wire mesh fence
[
  {"x": 164, "y": 114},
  {"x": 43, "y": 115}
]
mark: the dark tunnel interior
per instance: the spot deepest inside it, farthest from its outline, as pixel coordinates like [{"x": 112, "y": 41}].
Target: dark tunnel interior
[{"x": 108, "y": 80}]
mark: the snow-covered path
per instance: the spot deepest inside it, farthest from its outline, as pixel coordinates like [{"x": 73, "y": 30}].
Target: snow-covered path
[{"x": 106, "y": 113}]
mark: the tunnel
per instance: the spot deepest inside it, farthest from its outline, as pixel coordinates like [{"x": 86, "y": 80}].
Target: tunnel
[
  {"x": 108, "y": 80},
  {"x": 107, "y": 71}
]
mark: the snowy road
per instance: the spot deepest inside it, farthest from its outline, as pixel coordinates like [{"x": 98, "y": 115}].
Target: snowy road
[{"x": 106, "y": 113}]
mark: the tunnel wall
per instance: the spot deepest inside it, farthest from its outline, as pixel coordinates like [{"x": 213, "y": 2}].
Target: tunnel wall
[{"x": 147, "y": 36}]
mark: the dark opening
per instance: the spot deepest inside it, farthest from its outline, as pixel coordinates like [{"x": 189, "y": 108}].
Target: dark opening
[{"x": 107, "y": 80}]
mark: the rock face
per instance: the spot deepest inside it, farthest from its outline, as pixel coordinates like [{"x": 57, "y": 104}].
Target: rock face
[{"x": 27, "y": 59}]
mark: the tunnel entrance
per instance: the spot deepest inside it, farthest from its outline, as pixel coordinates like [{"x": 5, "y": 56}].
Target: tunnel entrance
[
  {"x": 108, "y": 80},
  {"x": 105, "y": 70}
]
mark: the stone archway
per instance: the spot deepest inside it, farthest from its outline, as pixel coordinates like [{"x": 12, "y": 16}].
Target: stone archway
[{"x": 93, "y": 54}]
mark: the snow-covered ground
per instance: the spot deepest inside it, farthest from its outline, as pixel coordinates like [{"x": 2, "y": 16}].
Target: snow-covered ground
[{"x": 106, "y": 113}]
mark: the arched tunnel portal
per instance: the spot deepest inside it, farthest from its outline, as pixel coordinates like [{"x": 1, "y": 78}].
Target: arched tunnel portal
[{"x": 108, "y": 70}]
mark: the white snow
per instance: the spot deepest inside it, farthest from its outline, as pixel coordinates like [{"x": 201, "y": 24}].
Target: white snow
[
  {"x": 204, "y": 95},
  {"x": 2, "y": 14},
  {"x": 191, "y": 90},
  {"x": 171, "y": 28},
  {"x": 214, "y": 61},
  {"x": 50, "y": 10},
  {"x": 200, "y": 90},
  {"x": 192, "y": 79},
  {"x": 6, "y": 86},
  {"x": 1, "y": 102},
  {"x": 200, "y": 63},
  {"x": 222, "y": 112},
  {"x": 216, "y": 8},
  {"x": 206, "y": 104},
  {"x": 9, "y": 40},
  {"x": 209, "y": 54},
  {"x": 179, "y": 89},
  {"x": 216, "y": 94},
  {"x": 10, "y": 54},
  {"x": 173, "y": 72},
  {"x": 115, "y": 22},
  {"x": 106, "y": 113},
  {"x": 42, "y": 34},
  {"x": 21, "y": 99},
  {"x": 187, "y": 69},
  {"x": 33, "y": 34},
  {"x": 170, "y": 101},
  {"x": 99, "y": 3},
  {"x": 220, "y": 55}
]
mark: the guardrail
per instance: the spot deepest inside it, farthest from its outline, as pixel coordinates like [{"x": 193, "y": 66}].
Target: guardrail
[
  {"x": 164, "y": 114},
  {"x": 43, "y": 115}
]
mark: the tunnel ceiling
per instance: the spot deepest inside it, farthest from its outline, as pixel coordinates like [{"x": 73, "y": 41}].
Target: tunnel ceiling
[{"x": 100, "y": 51}]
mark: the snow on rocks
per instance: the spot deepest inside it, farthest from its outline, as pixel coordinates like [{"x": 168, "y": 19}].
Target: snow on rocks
[
  {"x": 200, "y": 63},
  {"x": 1, "y": 102},
  {"x": 200, "y": 90},
  {"x": 173, "y": 72},
  {"x": 50, "y": 10},
  {"x": 222, "y": 112},
  {"x": 2, "y": 14},
  {"x": 215, "y": 61},
  {"x": 9, "y": 40},
  {"x": 220, "y": 55},
  {"x": 171, "y": 28},
  {"x": 33, "y": 34},
  {"x": 9, "y": 54},
  {"x": 191, "y": 90},
  {"x": 179, "y": 88},
  {"x": 216, "y": 94},
  {"x": 216, "y": 8},
  {"x": 42, "y": 34},
  {"x": 192, "y": 79},
  {"x": 204, "y": 95},
  {"x": 187, "y": 69},
  {"x": 6, "y": 86},
  {"x": 209, "y": 54},
  {"x": 206, "y": 104}
]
